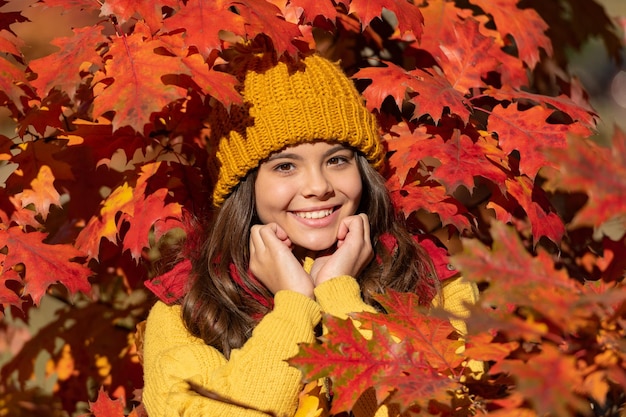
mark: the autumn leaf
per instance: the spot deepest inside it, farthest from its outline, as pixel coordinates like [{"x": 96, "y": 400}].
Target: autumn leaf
[
  {"x": 598, "y": 171},
  {"x": 528, "y": 132},
  {"x": 407, "y": 320},
  {"x": 264, "y": 17},
  {"x": 555, "y": 395},
  {"x": 44, "y": 264},
  {"x": 218, "y": 85},
  {"x": 137, "y": 90},
  {"x": 543, "y": 223},
  {"x": 432, "y": 198},
  {"x": 62, "y": 69},
  {"x": 354, "y": 363},
  {"x": 525, "y": 26},
  {"x": 203, "y": 21},
  {"x": 104, "y": 406},
  {"x": 524, "y": 280},
  {"x": 410, "y": 20},
  {"x": 151, "y": 12},
  {"x": 42, "y": 193}
]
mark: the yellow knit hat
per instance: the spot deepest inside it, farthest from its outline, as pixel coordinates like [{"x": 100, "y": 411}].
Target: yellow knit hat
[{"x": 288, "y": 105}]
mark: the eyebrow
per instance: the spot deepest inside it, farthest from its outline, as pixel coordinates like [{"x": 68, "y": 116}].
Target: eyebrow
[{"x": 288, "y": 155}]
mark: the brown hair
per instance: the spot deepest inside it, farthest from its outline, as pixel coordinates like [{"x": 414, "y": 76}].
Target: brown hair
[{"x": 216, "y": 309}]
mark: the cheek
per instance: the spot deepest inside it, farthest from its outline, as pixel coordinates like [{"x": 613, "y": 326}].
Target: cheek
[{"x": 270, "y": 201}]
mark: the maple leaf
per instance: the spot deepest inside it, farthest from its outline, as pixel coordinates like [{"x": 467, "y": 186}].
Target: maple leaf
[
  {"x": 543, "y": 223},
  {"x": 104, "y": 406},
  {"x": 410, "y": 19},
  {"x": 203, "y": 21},
  {"x": 550, "y": 396},
  {"x": 529, "y": 132},
  {"x": 598, "y": 171},
  {"x": 44, "y": 264},
  {"x": 524, "y": 25},
  {"x": 62, "y": 69},
  {"x": 137, "y": 90},
  {"x": 42, "y": 193}
]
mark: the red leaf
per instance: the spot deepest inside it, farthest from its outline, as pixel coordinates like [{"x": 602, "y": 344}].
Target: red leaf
[
  {"x": 434, "y": 199},
  {"x": 202, "y": 21},
  {"x": 354, "y": 363},
  {"x": 42, "y": 193},
  {"x": 409, "y": 322},
  {"x": 262, "y": 17},
  {"x": 401, "y": 141},
  {"x": 151, "y": 11},
  {"x": 62, "y": 69},
  {"x": 104, "y": 406},
  {"x": 516, "y": 277},
  {"x": 598, "y": 171},
  {"x": 410, "y": 19},
  {"x": 529, "y": 132},
  {"x": 44, "y": 264},
  {"x": 524, "y": 25},
  {"x": 216, "y": 84},
  {"x": 555, "y": 395},
  {"x": 137, "y": 90},
  {"x": 434, "y": 94},
  {"x": 543, "y": 223},
  {"x": 313, "y": 8}
]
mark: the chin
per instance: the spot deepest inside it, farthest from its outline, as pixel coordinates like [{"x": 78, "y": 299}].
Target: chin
[{"x": 316, "y": 245}]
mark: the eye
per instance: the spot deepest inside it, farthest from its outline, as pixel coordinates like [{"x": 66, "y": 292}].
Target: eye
[
  {"x": 339, "y": 160},
  {"x": 284, "y": 167}
]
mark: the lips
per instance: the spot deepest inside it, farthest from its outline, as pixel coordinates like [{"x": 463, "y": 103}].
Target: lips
[{"x": 317, "y": 214}]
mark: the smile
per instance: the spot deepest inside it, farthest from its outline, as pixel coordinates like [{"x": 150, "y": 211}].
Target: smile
[{"x": 314, "y": 214}]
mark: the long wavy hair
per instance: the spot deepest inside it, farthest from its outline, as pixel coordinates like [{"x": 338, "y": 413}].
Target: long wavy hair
[{"x": 217, "y": 309}]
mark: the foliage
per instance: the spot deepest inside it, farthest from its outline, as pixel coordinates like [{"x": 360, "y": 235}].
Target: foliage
[{"x": 489, "y": 139}]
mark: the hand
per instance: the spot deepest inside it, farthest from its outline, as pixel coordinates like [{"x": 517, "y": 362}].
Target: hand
[
  {"x": 354, "y": 251},
  {"x": 273, "y": 263}
]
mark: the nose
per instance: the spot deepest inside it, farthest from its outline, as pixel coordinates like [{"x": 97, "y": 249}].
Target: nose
[{"x": 317, "y": 184}]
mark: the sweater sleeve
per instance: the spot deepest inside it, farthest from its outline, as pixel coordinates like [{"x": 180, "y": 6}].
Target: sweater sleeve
[{"x": 256, "y": 374}]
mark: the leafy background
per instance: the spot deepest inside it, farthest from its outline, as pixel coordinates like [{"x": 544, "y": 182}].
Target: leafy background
[{"x": 96, "y": 179}]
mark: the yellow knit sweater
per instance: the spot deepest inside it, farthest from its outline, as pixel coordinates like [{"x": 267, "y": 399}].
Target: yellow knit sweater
[{"x": 256, "y": 374}]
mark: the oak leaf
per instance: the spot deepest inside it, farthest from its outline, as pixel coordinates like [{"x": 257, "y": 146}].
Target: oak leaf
[
  {"x": 410, "y": 19},
  {"x": 555, "y": 395},
  {"x": 203, "y": 21},
  {"x": 137, "y": 89},
  {"x": 44, "y": 264},
  {"x": 525, "y": 26},
  {"x": 61, "y": 69},
  {"x": 42, "y": 193},
  {"x": 529, "y": 132},
  {"x": 598, "y": 171},
  {"x": 150, "y": 11}
]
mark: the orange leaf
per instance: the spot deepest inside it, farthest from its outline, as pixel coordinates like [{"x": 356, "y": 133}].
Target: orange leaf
[{"x": 44, "y": 264}]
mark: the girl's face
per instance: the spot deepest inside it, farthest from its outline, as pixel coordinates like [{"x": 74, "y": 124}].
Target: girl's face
[{"x": 308, "y": 190}]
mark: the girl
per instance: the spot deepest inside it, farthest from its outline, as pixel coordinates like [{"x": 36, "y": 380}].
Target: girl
[{"x": 305, "y": 226}]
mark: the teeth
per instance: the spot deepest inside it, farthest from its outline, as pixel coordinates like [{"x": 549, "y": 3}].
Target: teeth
[{"x": 314, "y": 214}]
